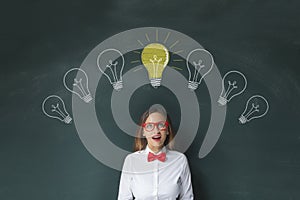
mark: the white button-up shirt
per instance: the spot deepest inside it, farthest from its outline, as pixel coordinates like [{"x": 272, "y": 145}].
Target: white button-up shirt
[{"x": 143, "y": 180}]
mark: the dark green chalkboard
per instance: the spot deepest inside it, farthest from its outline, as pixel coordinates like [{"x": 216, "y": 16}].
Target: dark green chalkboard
[{"x": 42, "y": 158}]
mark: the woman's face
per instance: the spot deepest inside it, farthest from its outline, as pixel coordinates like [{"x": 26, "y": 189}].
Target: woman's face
[{"x": 155, "y": 130}]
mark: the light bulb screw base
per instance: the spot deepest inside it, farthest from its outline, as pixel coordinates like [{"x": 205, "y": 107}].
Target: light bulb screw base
[
  {"x": 67, "y": 119},
  {"x": 155, "y": 82},
  {"x": 118, "y": 85},
  {"x": 193, "y": 85},
  {"x": 87, "y": 98},
  {"x": 242, "y": 119},
  {"x": 222, "y": 101}
]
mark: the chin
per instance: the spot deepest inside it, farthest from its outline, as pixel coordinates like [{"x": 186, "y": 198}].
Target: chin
[{"x": 158, "y": 145}]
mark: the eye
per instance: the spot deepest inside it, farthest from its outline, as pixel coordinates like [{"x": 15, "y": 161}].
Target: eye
[
  {"x": 149, "y": 126},
  {"x": 161, "y": 125}
]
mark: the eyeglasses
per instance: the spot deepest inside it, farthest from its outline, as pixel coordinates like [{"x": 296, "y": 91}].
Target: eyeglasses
[{"x": 159, "y": 125}]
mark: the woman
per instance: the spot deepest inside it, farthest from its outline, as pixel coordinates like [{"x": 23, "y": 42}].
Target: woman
[{"x": 154, "y": 171}]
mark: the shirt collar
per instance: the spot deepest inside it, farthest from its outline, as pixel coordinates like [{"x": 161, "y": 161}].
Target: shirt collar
[{"x": 147, "y": 150}]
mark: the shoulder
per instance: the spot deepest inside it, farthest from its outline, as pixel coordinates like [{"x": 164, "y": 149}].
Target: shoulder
[
  {"x": 132, "y": 158},
  {"x": 134, "y": 155},
  {"x": 178, "y": 155}
]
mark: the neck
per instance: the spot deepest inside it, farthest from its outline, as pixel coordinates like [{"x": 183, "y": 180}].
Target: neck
[{"x": 155, "y": 149}]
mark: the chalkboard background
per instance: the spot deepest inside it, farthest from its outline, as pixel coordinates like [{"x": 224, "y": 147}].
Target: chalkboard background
[{"x": 42, "y": 158}]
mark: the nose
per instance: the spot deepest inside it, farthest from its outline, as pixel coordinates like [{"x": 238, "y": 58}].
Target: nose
[{"x": 156, "y": 129}]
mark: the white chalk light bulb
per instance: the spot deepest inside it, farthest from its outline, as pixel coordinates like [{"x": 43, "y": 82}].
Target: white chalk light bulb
[
  {"x": 256, "y": 107},
  {"x": 111, "y": 62},
  {"x": 54, "y": 107},
  {"x": 76, "y": 81},
  {"x": 233, "y": 83},
  {"x": 199, "y": 63}
]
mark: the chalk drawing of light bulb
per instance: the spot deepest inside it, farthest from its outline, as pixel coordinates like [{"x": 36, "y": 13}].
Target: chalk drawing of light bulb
[
  {"x": 233, "y": 83},
  {"x": 199, "y": 63},
  {"x": 76, "y": 81},
  {"x": 155, "y": 58},
  {"x": 256, "y": 107},
  {"x": 111, "y": 63},
  {"x": 54, "y": 107}
]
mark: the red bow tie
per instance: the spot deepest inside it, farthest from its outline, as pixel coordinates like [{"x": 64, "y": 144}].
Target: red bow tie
[{"x": 161, "y": 157}]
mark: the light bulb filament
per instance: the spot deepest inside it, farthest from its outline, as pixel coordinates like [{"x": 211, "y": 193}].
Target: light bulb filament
[
  {"x": 155, "y": 62},
  {"x": 198, "y": 66},
  {"x": 252, "y": 110},
  {"x": 231, "y": 87},
  {"x": 113, "y": 71},
  {"x": 58, "y": 110},
  {"x": 78, "y": 84}
]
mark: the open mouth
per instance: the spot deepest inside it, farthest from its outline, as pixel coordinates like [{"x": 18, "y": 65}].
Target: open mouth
[{"x": 156, "y": 138}]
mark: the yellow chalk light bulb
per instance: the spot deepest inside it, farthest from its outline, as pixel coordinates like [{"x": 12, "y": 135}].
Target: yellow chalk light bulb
[{"x": 155, "y": 58}]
